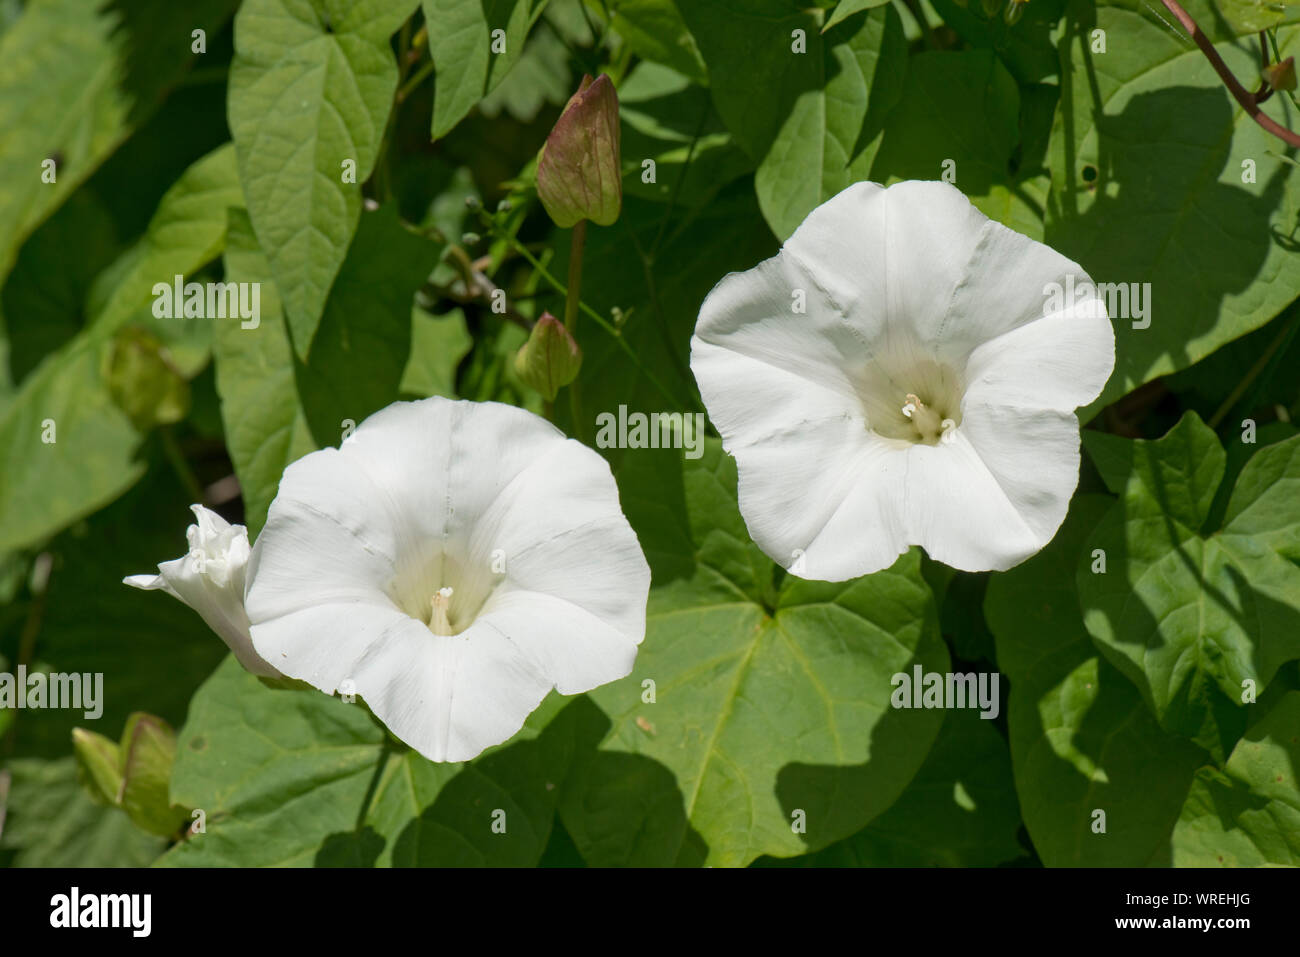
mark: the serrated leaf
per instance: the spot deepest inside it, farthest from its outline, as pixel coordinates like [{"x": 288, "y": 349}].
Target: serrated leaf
[
  {"x": 466, "y": 67},
  {"x": 1082, "y": 740},
  {"x": 1192, "y": 616},
  {"x": 774, "y": 699},
  {"x": 1215, "y": 249},
  {"x": 311, "y": 87},
  {"x": 295, "y": 778},
  {"x": 1248, "y": 814}
]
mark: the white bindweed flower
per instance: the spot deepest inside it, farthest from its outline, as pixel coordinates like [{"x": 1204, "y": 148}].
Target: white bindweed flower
[
  {"x": 450, "y": 563},
  {"x": 210, "y": 579},
  {"x": 902, "y": 374}
]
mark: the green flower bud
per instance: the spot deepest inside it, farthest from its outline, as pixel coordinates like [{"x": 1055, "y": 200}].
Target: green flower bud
[
  {"x": 143, "y": 380},
  {"x": 1281, "y": 76},
  {"x": 99, "y": 765},
  {"x": 148, "y": 750},
  {"x": 550, "y": 359},
  {"x": 578, "y": 172},
  {"x": 1014, "y": 11}
]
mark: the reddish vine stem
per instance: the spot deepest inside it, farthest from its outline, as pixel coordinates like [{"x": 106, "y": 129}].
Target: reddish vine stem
[{"x": 1239, "y": 92}]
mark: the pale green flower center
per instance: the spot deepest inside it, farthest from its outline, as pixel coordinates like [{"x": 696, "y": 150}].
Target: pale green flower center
[{"x": 911, "y": 400}]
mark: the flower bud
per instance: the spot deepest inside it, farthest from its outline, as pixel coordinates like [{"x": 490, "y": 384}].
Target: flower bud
[
  {"x": 210, "y": 579},
  {"x": 550, "y": 359},
  {"x": 1281, "y": 76},
  {"x": 148, "y": 752},
  {"x": 1014, "y": 11},
  {"x": 578, "y": 171},
  {"x": 144, "y": 382},
  {"x": 99, "y": 765}
]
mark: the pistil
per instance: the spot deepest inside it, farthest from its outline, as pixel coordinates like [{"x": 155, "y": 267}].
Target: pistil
[
  {"x": 927, "y": 422},
  {"x": 439, "y": 621}
]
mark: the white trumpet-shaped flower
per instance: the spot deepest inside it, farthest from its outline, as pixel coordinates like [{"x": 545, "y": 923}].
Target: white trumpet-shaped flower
[
  {"x": 903, "y": 372},
  {"x": 210, "y": 578},
  {"x": 451, "y": 563}
]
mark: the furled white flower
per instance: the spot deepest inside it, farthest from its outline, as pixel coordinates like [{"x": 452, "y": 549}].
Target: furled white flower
[
  {"x": 450, "y": 563},
  {"x": 210, "y": 579},
  {"x": 904, "y": 372}
]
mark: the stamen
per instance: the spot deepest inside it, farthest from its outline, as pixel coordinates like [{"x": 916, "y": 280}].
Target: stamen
[
  {"x": 911, "y": 405},
  {"x": 947, "y": 431},
  {"x": 439, "y": 622}
]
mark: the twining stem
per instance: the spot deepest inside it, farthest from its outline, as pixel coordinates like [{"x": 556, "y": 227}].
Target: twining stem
[
  {"x": 572, "y": 298},
  {"x": 1239, "y": 92},
  {"x": 574, "y": 295},
  {"x": 176, "y": 459}
]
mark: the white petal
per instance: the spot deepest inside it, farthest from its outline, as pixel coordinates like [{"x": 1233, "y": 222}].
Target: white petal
[
  {"x": 1033, "y": 455},
  {"x": 1061, "y": 362},
  {"x": 918, "y": 261},
  {"x": 328, "y": 538},
  {"x": 449, "y": 697},
  {"x": 752, "y": 314},
  {"x": 560, "y": 532},
  {"x": 441, "y": 463}
]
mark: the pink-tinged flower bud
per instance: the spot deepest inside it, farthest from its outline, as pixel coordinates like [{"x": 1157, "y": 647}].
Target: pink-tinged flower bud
[
  {"x": 1281, "y": 76},
  {"x": 550, "y": 359},
  {"x": 578, "y": 172}
]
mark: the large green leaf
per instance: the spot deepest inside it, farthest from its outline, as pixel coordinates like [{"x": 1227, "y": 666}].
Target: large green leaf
[
  {"x": 311, "y": 86},
  {"x": 45, "y": 295},
  {"x": 1248, "y": 814},
  {"x": 264, "y": 421},
  {"x": 92, "y": 458},
  {"x": 187, "y": 231},
  {"x": 295, "y": 778},
  {"x": 1218, "y": 252},
  {"x": 772, "y": 700},
  {"x": 959, "y": 811},
  {"x": 51, "y": 822},
  {"x": 364, "y": 339},
  {"x": 1194, "y": 617},
  {"x": 811, "y": 119},
  {"x": 671, "y": 121},
  {"x": 959, "y": 119},
  {"x": 1082, "y": 740},
  {"x": 461, "y": 41},
  {"x": 76, "y": 77},
  {"x": 656, "y": 31}
]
